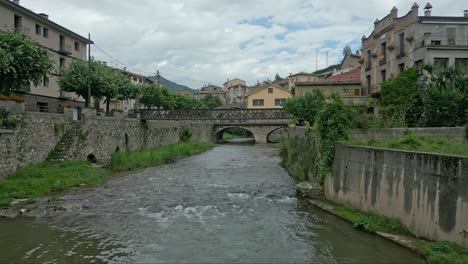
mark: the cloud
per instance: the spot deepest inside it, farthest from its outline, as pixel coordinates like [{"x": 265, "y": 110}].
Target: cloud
[{"x": 211, "y": 40}]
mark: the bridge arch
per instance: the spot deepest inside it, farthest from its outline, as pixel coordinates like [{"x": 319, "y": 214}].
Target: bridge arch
[
  {"x": 220, "y": 132},
  {"x": 275, "y": 135},
  {"x": 260, "y": 132}
]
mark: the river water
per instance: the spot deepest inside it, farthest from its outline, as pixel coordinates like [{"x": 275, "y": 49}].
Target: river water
[{"x": 232, "y": 204}]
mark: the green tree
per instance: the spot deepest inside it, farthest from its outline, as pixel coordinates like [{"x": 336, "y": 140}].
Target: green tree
[
  {"x": 22, "y": 61},
  {"x": 334, "y": 123},
  {"x": 399, "y": 94},
  {"x": 306, "y": 108},
  {"x": 211, "y": 101},
  {"x": 278, "y": 77},
  {"x": 159, "y": 97},
  {"x": 347, "y": 50},
  {"x": 187, "y": 102}
]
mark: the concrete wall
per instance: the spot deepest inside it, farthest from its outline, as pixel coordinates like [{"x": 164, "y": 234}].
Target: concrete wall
[
  {"x": 37, "y": 134},
  {"x": 428, "y": 193}
]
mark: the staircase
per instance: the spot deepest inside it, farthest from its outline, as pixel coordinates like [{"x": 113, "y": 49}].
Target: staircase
[{"x": 61, "y": 150}]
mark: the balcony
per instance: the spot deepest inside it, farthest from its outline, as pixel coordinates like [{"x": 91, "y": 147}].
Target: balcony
[
  {"x": 65, "y": 49},
  {"x": 400, "y": 53}
]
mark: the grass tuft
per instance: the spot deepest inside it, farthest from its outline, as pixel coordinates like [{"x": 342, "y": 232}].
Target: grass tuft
[
  {"x": 444, "y": 253},
  {"x": 417, "y": 142},
  {"x": 126, "y": 161},
  {"x": 48, "y": 178}
]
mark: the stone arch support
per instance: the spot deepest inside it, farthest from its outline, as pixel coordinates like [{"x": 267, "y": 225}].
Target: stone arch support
[{"x": 260, "y": 132}]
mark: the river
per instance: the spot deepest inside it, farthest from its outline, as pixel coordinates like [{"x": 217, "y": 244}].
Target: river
[{"x": 232, "y": 204}]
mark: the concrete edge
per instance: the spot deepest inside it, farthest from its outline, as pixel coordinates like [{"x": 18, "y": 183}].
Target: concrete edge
[{"x": 409, "y": 242}]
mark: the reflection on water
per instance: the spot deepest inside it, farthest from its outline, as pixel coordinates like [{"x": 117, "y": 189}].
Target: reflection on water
[{"x": 232, "y": 204}]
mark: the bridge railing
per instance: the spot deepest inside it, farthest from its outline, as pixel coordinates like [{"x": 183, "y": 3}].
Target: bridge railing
[{"x": 216, "y": 114}]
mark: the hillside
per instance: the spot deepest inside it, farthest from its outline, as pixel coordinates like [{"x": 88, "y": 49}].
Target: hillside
[{"x": 175, "y": 87}]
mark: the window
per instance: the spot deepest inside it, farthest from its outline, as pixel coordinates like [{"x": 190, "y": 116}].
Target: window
[
  {"x": 462, "y": 65},
  {"x": 383, "y": 74},
  {"x": 77, "y": 46},
  {"x": 435, "y": 42},
  {"x": 451, "y": 36},
  {"x": 383, "y": 53},
  {"x": 258, "y": 102},
  {"x": 441, "y": 62},
  {"x": 45, "y": 81},
  {"x": 357, "y": 92},
  {"x": 38, "y": 29},
  {"x": 280, "y": 102},
  {"x": 62, "y": 63},
  {"x": 308, "y": 79},
  {"x": 270, "y": 90},
  {"x": 401, "y": 67},
  {"x": 368, "y": 81},
  {"x": 401, "y": 43},
  {"x": 419, "y": 65},
  {"x": 369, "y": 62},
  {"x": 45, "y": 32},
  {"x": 344, "y": 91},
  {"x": 42, "y": 107},
  {"x": 62, "y": 42},
  {"x": 18, "y": 21}
]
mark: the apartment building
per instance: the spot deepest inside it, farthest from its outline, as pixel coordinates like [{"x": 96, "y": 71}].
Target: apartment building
[
  {"x": 210, "y": 89},
  {"x": 397, "y": 43},
  {"x": 267, "y": 97},
  {"x": 300, "y": 77},
  {"x": 63, "y": 44},
  {"x": 235, "y": 90}
]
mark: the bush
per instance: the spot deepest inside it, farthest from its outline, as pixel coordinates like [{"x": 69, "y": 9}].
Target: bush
[
  {"x": 444, "y": 253},
  {"x": 185, "y": 134}
]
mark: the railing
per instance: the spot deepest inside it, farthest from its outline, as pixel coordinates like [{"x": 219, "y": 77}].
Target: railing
[{"x": 216, "y": 114}]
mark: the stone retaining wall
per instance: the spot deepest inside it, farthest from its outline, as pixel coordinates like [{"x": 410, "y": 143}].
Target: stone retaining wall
[
  {"x": 37, "y": 134},
  {"x": 427, "y": 192}
]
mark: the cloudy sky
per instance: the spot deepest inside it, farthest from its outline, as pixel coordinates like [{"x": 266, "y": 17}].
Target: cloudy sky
[{"x": 194, "y": 42}]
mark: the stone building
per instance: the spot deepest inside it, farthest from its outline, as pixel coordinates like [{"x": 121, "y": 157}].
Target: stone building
[
  {"x": 267, "y": 97},
  {"x": 63, "y": 44},
  {"x": 300, "y": 77},
  {"x": 397, "y": 43},
  {"x": 210, "y": 89},
  {"x": 235, "y": 90}
]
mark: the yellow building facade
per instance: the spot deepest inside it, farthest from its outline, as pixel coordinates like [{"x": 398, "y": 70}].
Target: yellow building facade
[{"x": 267, "y": 97}]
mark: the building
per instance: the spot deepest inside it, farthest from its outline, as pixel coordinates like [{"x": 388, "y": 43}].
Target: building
[
  {"x": 267, "y": 97},
  {"x": 186, "y": 92},
  {"x": 397, "y": 43},
  {"x": 235, "y": 90},
  {"x": 347, "y": 85},
  {"x": 349, "y": 63},
  {"x": 300, "y": 77},
  {"x": 63, "y": 44},
  {"x": 210, "y": 89}
]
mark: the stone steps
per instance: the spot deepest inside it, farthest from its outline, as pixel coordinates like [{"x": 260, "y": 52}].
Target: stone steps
[{"x": 60, "y": 151}]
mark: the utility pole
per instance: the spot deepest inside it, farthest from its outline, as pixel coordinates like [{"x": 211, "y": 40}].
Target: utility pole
[
  {"x": 327, "y": 58},
  {"x": 89, "y": 71},
  {"x": 316, "y": 60},
  {"x": 158, "y": 76}
]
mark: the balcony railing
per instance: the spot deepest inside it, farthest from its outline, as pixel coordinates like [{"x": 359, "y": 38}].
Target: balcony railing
[{"x": 65, "y": 49}]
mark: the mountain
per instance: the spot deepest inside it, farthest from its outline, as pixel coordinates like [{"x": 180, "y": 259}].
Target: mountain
[{"x": 175, "y": 87}]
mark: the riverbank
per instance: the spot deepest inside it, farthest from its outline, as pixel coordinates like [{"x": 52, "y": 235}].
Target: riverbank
[
  {"x": 54, "y": 178},
  {"x": 391, "y": 229}
]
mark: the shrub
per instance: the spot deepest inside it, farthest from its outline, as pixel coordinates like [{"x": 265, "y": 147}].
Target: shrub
[{"x": 185, "y": 134}]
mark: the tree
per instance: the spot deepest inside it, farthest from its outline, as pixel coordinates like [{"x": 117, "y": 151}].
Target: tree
[
  {"x": 306, "y": 108},
  {"x": 347, "y": 50},
  {"x": 22, "y": 61},
  {"x": 187, "y": 102},
  {"x": 211, "y": 101},
  {"x": 74, "y": 79},
  {"x": 278, "y": 77},
  {"x": 398, "y": 95},
  {"x": 159, "y": 97}
]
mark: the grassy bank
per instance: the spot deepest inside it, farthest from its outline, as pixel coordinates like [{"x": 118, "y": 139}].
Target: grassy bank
[
  {"x": 48, "y": 178},
  {"x": 418, "y": 142},
  {"x": 434, "y": 252},
  {"x": 126, "y": 161},
  {"x": 227, "y": 136}
]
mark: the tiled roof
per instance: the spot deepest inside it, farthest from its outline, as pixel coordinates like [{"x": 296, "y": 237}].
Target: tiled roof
[{"x": 354, "y": 75}]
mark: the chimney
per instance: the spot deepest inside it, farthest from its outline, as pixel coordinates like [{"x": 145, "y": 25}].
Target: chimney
[
  {"x": 16, "y": 2},
  {"x": 427, "y": 9},
  {"x": 394, "y": 12},
  {"x": 104, "y": 63},
  {"x": 465, "y": 13},
  {"x": 43, "y": 15}
]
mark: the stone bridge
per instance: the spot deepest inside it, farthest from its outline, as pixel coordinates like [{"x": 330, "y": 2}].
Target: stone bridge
[{"x": 261, "y": 122}]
